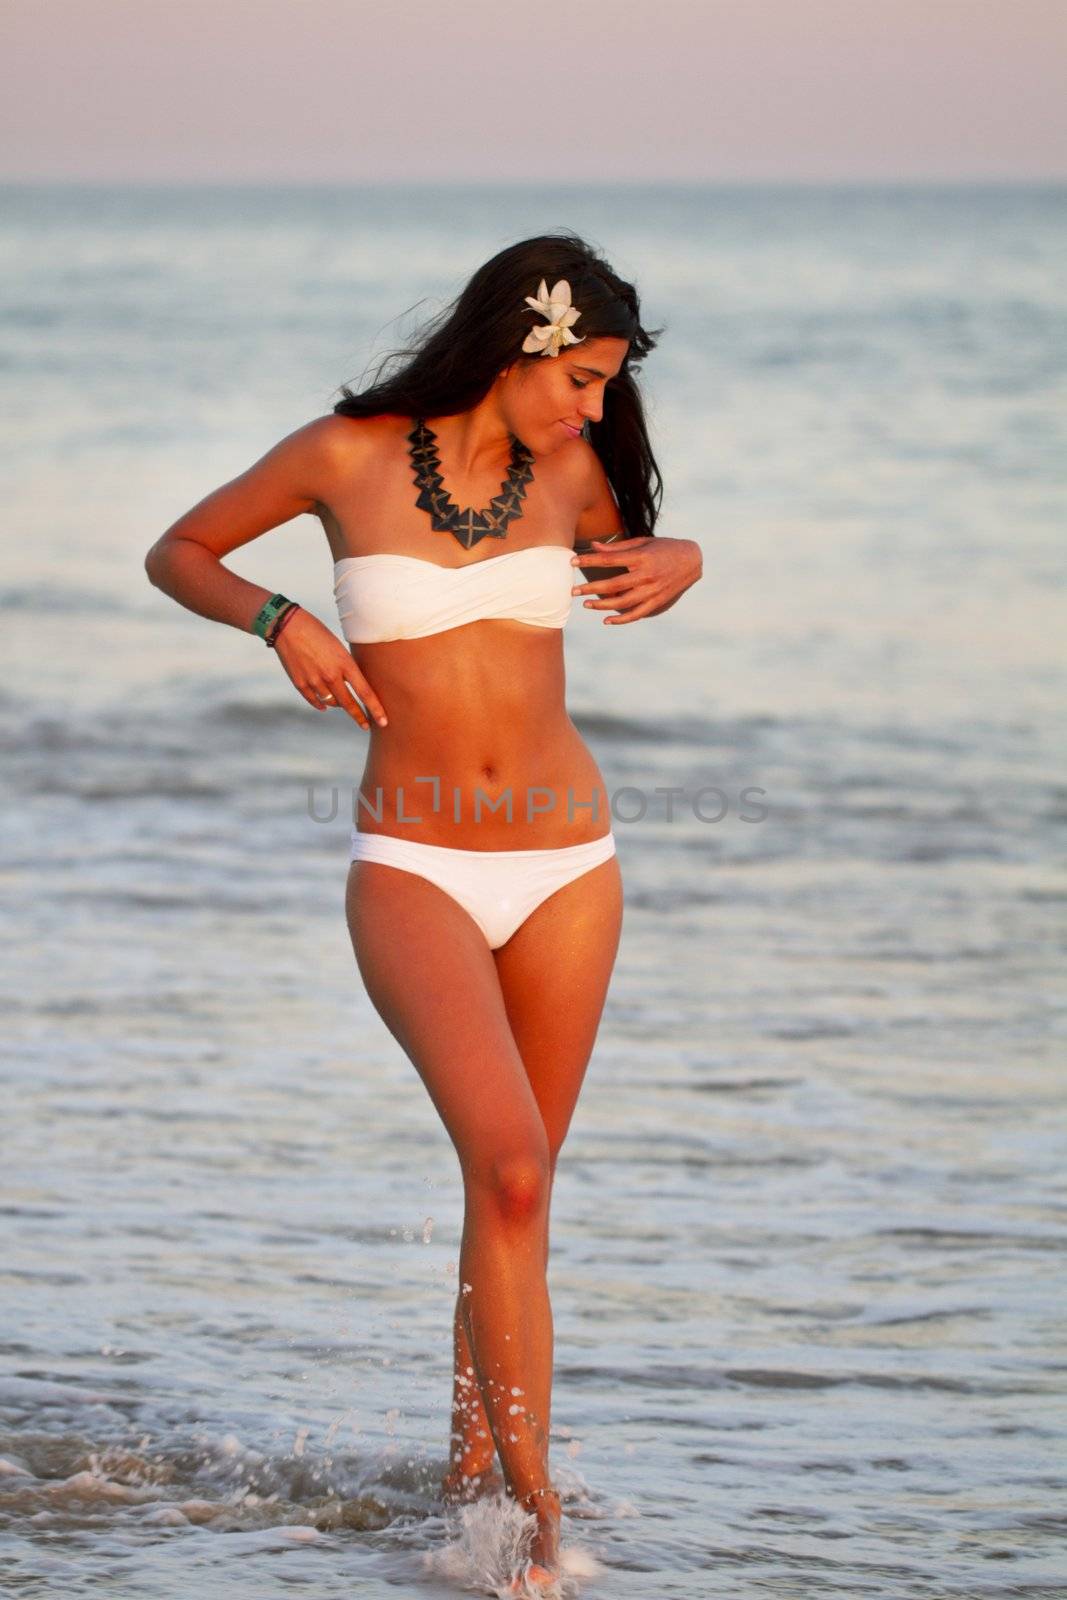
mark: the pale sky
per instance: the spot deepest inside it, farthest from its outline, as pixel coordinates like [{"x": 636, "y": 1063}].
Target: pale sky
[{"x": 341, "y": 91}]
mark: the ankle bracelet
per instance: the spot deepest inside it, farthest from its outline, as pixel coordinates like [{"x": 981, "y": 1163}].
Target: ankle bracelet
[{"x": 549, "y": 1489}]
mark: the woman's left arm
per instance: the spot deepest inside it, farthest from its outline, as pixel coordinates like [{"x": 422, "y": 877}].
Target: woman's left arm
[{"x": 659, "y": 571}]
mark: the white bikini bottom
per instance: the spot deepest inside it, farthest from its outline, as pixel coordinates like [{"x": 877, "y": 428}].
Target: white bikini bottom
[{"x": 499, "y": 888}]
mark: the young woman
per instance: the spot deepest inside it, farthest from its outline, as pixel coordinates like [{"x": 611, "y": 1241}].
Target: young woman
[{"x": 484, "y": 897}]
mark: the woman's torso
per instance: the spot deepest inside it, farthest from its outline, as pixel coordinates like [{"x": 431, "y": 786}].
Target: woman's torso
[{"x": 477, "y": 711}]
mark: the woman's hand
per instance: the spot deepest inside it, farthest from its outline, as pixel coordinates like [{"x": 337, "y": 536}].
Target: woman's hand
[
  {"x": 659, "y": 572},
  {"x": 320, "y": 667}
]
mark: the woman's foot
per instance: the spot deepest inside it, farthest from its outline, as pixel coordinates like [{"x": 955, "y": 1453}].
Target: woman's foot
[
  {"x": 534, "y": 1580},
  {"x": 542, "y": 1570}
]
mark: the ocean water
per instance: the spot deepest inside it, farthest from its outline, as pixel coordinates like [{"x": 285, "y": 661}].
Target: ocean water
[{"x": 809, "y": 1225}]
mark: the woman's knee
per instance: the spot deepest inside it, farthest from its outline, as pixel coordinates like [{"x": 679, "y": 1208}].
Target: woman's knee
[{"x": 514, "y": 1183}]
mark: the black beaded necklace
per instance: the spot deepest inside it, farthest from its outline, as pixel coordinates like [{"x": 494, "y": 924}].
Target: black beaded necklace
[{"x": 469, "y": 526}]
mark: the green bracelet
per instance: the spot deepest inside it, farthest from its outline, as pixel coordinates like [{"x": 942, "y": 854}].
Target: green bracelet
[{"x": 264, "y": 618}]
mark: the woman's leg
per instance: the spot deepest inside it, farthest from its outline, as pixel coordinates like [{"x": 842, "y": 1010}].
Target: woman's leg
[
  {"x": 431, "y": 977},
  {"x": 524, "y": 1029},
  {"x": 554, "y": 974},
  {"x": 472, "y": 1452}
]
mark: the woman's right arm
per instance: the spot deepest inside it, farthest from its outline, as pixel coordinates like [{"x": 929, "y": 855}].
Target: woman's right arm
[{"x": 186, "y": 561}]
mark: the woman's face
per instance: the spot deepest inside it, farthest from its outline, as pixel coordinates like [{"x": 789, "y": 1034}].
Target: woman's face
[{"x": 545, "y": 401}]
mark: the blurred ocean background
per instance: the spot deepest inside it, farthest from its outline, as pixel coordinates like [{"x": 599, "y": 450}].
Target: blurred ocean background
[{"x": 809, "y": 1226}]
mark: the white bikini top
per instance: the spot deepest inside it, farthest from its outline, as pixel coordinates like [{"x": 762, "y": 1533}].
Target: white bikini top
[{"x": 404, "y": 597}]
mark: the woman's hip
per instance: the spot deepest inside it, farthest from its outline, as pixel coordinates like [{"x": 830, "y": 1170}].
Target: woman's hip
[{"x": 500, "y": 889}]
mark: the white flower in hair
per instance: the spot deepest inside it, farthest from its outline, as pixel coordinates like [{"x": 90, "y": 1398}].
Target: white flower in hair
[{"x": 561, "y": 317}]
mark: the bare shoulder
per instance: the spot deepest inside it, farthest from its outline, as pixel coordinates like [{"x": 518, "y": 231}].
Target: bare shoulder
[
  {"x": 594, "y": 499},
  {"x": 356, "y": 444},
  {"x": 577, "y": 464},
  {"x": 297, "y": 475},
  {"x": 341, "y": 441}
]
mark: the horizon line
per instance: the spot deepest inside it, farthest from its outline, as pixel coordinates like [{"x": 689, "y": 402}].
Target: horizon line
[{"x": 1051, "y": 180}]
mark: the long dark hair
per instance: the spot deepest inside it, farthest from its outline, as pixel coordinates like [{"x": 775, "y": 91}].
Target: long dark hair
[{"x": 455, "y": 361}]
